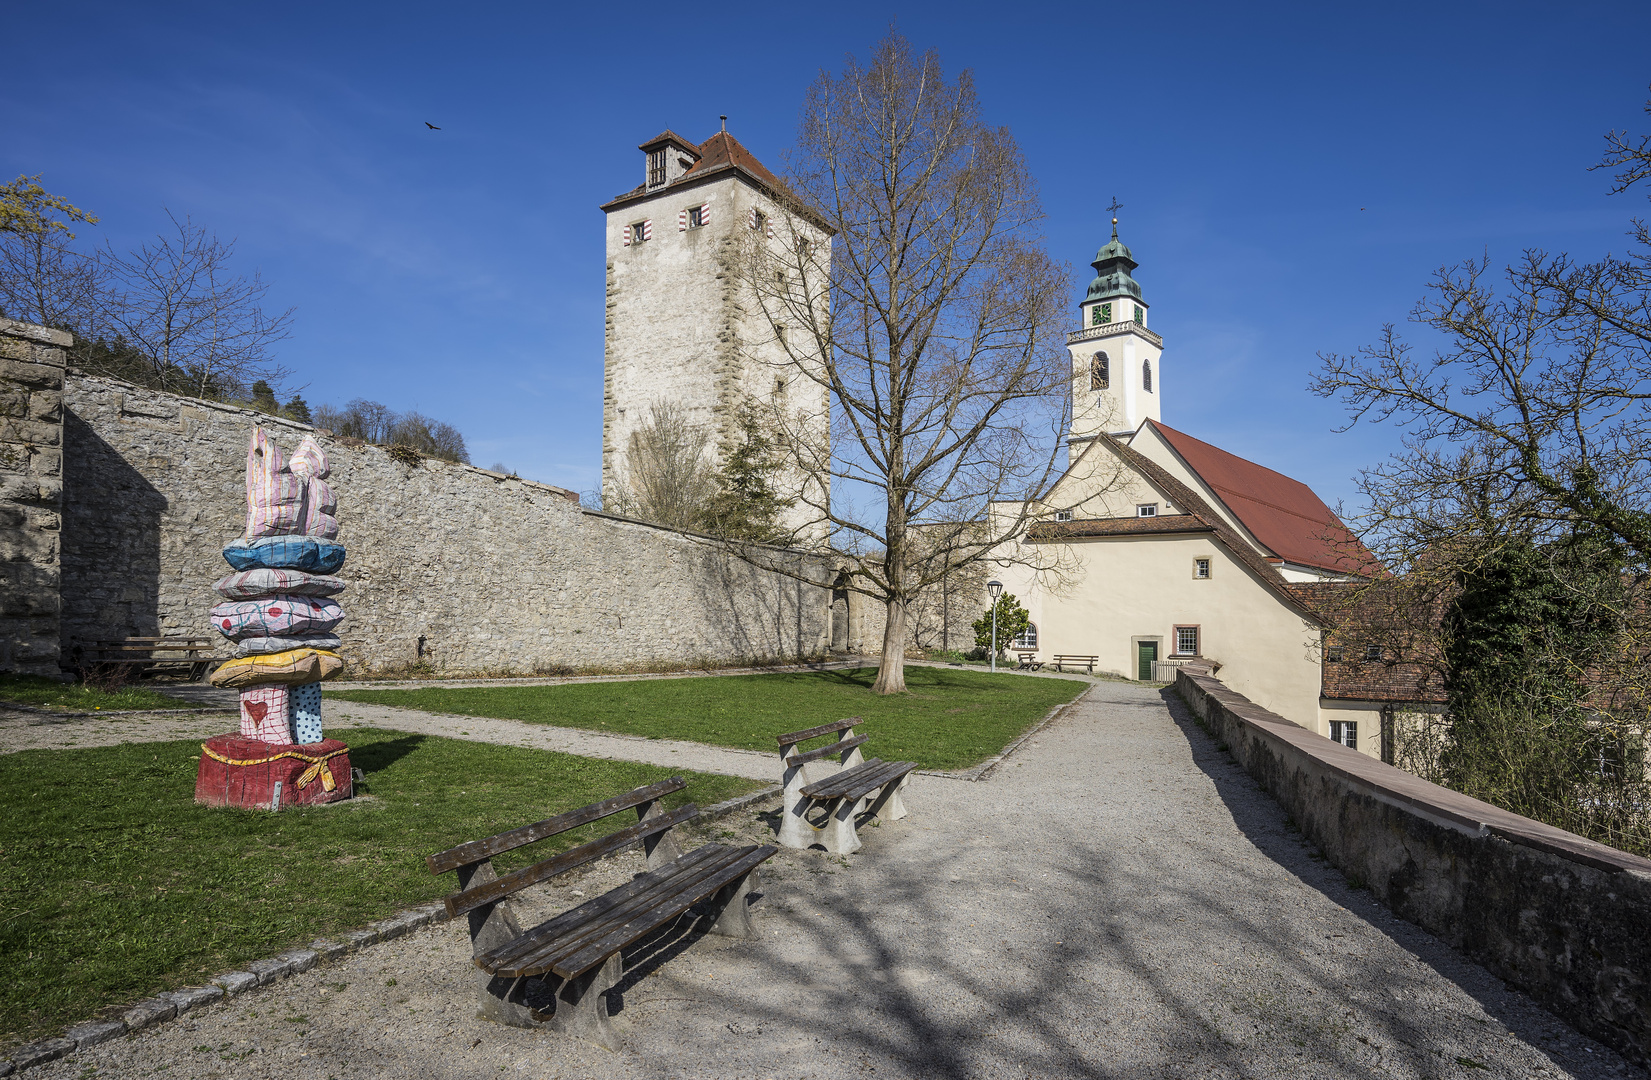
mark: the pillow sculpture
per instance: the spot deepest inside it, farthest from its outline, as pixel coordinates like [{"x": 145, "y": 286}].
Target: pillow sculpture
[
  {"x": 251, "y": 584},
  {"x": 286, "y": 498},
  {"x": 291, "y": 668},
  {"x": 256, "y": 646},
  {"x": 279, "y": 612},
  {"x": 281, "y": 615},
  {"x": 310, "y": 554}
]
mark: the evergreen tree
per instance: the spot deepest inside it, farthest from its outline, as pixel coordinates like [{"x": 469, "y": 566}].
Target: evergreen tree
[
  {"x": 263, "y": 398},
  {"x": 1012, "y": 621},
  {"x": 746, "y": 506},
  {"x": 297, "y": 409}
]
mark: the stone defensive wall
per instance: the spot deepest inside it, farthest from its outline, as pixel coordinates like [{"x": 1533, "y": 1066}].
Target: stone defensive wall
[
  {"x": 1559, "y": 916},
  {"x": 450, "y": 565}
]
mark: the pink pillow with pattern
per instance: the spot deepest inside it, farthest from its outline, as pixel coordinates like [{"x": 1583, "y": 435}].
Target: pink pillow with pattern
[
  {"x": 288, "y": 498},
  {"x": 276, "y": 616}
]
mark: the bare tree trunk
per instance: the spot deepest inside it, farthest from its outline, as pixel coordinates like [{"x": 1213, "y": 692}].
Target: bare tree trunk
[{"x": 891, "y": 671}]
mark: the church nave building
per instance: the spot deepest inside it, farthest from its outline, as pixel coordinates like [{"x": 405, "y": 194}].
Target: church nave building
[{"x": 1154, "y": 547}]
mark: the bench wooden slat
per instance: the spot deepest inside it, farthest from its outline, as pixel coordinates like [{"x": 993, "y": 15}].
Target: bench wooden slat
[
  {"x": 477, "y": 850},
  {"x": 837, "y": 747},
  {"x": 594, "y": 953},
  {"x": 501, "y": 887},
  {"x": 855, "y": 782},
  {"x": 510, "y": 955},
  {"x": 816, "y": 732},
  {"x": 656, "y": 896}
]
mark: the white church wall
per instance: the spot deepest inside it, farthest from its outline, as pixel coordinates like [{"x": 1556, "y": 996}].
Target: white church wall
[{"x": 1133, "y": 587}]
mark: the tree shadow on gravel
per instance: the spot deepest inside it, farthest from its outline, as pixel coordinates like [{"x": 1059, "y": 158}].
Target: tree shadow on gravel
[
  {"x": 1141, "y": 941},
  {"x": 1267, "y": 826}
]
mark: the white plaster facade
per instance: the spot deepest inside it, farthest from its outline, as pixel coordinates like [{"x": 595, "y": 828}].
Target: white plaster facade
[
  {"x": 1192, "y": 569},
  {"x": 680, "y": 326}
]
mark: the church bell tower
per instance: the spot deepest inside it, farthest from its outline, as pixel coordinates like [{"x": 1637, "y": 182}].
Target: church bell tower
[{"x": 1117, "y": 381}]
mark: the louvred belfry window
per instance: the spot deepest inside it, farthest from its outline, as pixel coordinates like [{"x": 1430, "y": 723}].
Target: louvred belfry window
[
  {"x": 1100, "y": 372},
  {"x": 1146, "y": 375}
]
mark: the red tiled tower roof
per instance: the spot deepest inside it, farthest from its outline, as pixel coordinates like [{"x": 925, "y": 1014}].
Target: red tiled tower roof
[{"x": 1283, "y": 515}]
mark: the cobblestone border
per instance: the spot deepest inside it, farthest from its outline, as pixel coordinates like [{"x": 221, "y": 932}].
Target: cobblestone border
[{"x": 174, "y": 1003}]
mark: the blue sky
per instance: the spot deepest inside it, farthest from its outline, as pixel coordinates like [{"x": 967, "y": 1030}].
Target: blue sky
[{"x": 460, "y": 272}]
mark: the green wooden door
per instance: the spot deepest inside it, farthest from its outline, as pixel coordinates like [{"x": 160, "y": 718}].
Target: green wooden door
[{"x": 1146, "y": 653}]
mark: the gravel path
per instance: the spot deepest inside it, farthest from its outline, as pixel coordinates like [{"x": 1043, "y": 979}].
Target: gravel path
[
  {"x": 1118, "y": 900},
  {"x": 33, "y": 731}
]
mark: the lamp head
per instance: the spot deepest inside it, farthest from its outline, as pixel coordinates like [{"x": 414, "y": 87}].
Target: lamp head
[{"x": 993, "y": 588}]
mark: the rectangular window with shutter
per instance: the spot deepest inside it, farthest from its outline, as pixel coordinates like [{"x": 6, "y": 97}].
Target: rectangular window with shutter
[{"x": 695, "y": 217}]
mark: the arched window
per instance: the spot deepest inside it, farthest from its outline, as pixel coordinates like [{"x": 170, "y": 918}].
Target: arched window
[
  {"x": 1146, "y": 375},
  {"x": 1100, "y": 372},
  {"x": 1028, "y": 638}
]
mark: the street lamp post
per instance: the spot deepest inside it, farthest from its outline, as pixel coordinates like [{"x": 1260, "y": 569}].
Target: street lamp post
[{"x": 993, "y": 588}]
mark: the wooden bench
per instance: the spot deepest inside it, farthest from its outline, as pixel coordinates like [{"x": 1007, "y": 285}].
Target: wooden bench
[
  {"x": 1028, "y": 662},
  {"x": 557, "y": 974},
  {"x": 841, "y": 788},
  {"x": 1088, "y": 662},
  {"x": 189, "y": 654}
]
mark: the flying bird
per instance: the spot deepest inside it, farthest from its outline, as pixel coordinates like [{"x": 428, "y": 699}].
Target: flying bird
[{"x": 431, "y": 126}]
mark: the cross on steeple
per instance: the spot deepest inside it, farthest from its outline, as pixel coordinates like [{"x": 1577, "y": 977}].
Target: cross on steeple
[{"x": 1113, "y": 209}]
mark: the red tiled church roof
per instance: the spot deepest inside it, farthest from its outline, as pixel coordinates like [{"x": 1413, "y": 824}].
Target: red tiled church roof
[{"x": 1282, "y": 514}]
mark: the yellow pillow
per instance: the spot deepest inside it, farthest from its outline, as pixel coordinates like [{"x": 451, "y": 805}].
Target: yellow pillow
[{"x": 291, "y": 668}]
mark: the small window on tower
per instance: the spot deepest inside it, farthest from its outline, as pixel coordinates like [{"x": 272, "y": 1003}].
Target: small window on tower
[
  {"x": 639, "y": 232},
  {"x": 759, "y": 221},
  {"x": 696, "y": 216},
  {"x": 1146, "y": 375},
  {"x": 1100, "y": 372},
  {"x": 1140, "y": 316},
  {"x": 1100, "y": 314}
]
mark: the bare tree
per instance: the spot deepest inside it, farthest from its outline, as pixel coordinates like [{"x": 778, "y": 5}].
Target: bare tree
[
  {"x": 202, "y": 326},
  {"x": 670, "y": 479},
  {"x": 934, "y": 330},
  {"x": 1517, "y": 519}
]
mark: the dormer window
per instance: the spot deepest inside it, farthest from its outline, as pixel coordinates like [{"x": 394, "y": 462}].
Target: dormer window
[
  {"x": 1146, "y": 510},
  {"x": 1100, "y": 314},
  {"x": 1100, "y": 372},
  {"x": 656, "y": 167},
  {"x": 1146, "y": 375}
]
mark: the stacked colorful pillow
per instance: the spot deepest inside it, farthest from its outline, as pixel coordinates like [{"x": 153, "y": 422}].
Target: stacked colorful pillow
[{"x": 278, "y": 607}]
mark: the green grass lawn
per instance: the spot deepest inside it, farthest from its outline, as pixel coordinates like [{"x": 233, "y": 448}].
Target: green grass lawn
[
  {"x": 114, "y": 885},
  {"x": 949, "y": 719},
  {"x": 74, "y": 697}
]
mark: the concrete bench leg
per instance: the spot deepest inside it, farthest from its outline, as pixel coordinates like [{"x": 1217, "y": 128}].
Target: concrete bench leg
[
  {"x": 795, "y": 831},
  {"x": 889, "y": 806},
  {"x": 582, "y": 1004},
  {"x": 840, "y": 837},
  {"x": 731, "y": 908}
]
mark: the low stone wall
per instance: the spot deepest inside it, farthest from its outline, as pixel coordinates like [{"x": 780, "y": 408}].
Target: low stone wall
[
  {"x": 1561, "y": 917},
  {"x": 31, "y": 495},
  {"x": 459, "y": 567}
]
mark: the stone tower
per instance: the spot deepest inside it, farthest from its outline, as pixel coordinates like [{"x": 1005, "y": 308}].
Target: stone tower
[
  {"x": 680, "y": 325},
  {"x": 1117, "y": 380}
]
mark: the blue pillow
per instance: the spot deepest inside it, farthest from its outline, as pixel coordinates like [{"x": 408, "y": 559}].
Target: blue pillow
[{"x": 311, "y": 554}]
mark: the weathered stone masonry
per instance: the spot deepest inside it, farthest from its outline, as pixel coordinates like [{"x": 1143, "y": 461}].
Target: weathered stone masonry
[
  {"x": 1559, "y": 916},
  {"x": 31, "y": 495},
  {"x": 463, "y": 568}
]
